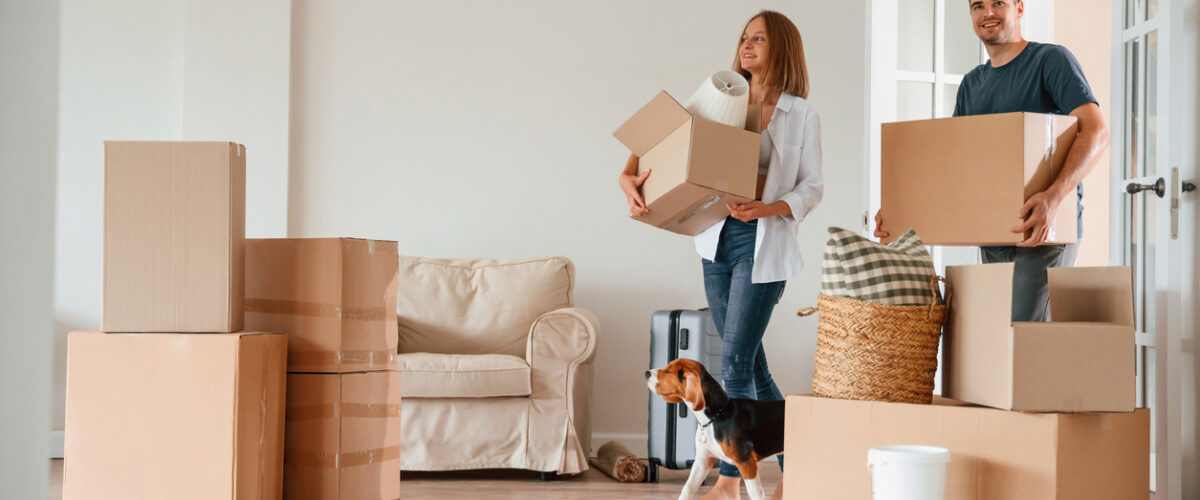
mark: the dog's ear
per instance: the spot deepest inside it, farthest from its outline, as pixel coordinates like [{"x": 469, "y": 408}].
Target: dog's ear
[
  {"x": 672, "y": 399},
  {"x": 694, "y": 392}
]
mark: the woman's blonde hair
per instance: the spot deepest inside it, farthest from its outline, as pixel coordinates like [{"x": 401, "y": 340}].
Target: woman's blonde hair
[{"x": 786, "y": 69}]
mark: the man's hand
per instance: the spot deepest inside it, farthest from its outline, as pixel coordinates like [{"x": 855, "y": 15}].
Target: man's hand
[
  {"x": 747, "y": 212},
  {"x": 1038, "y": 213},
  {"x": 879, "y": 232}
]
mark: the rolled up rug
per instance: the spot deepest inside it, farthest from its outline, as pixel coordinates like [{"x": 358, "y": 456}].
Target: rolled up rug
[
  {"x": 619, "y": 463},
  {"x": 722, "y": 98}
]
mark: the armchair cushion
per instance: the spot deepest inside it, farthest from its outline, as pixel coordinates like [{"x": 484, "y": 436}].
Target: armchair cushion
[
  {"x": 428, "y": 375},
  {"x": 479, "y": 306}
]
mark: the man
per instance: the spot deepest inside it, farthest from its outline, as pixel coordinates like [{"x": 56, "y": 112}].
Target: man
[{"x": 1038, "y": 78}]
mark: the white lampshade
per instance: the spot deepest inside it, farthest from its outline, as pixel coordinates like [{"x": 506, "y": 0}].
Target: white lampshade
[{"x": 722, "y": 98}]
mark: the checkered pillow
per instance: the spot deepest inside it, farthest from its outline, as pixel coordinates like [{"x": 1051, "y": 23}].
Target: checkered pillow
[{"x": 895, "y": 274}]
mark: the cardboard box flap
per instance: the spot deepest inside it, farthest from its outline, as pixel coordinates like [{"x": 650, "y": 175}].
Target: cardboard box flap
[
  {"x": 723, "y": 159},
  {"x": 982, "y": 294},
  {"x": 754, "y": 118},
  {"x": 658, "y": 118},
  {"x": 1091, "y": 294},
  {"x": 976, "y": 339}
]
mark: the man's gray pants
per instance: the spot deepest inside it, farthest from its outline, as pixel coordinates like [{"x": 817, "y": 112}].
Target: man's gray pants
[{"x": 1031, "y": 295}]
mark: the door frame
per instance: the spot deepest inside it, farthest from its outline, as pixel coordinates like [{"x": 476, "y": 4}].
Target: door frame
[{"x": 1166, "y": 460}]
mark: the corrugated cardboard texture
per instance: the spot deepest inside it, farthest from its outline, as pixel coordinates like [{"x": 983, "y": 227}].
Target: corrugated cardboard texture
[
  {"x": 994, "y": 454},
  {"x": 697, "y": 166},
  {"x": 1088, "y": 368},
  {"x": 667, "y": 163},
  {"x": 992, "y": 361},
  {"x": 1101, "y": 294},
  {"x": 334, "y": 297},
  {"x": 174, "y": 225},
  {"x": 343, "y": 436},
  {"x": 1048, "y": 139},
  {"x": 962, "y": 180},
  {"x": 982, "y": 308},
  {"x": 724, "y": 158},
  {"x": 181, "y": 416},
  {"x": 649, "y": 125}
]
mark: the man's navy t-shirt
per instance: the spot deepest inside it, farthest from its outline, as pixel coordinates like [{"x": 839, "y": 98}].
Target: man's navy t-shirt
[{"x": 1043, "y": 78}]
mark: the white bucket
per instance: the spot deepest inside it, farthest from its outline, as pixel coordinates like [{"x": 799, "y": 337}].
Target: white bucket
[{"x": 908, "y": 472}]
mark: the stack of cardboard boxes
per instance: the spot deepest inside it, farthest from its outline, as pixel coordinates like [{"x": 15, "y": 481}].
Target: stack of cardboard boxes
[
  {"x": 1032, "y": 410},
  {"x": 200, "y": 412},
  {"x": 335, "y": 298},
  {"x": 182, "y": 414}
]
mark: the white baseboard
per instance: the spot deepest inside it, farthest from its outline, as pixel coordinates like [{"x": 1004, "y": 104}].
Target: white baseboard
[
  {"x": 635, "y": 442},
  {"x": 56, "y": 444}
]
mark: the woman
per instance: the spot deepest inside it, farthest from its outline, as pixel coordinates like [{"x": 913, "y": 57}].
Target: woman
[{"x": 748, "y": 257}]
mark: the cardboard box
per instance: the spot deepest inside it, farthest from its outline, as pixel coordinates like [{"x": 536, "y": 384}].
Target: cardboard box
[
  {"x": 343, "y": 436},
  {"x": 180, "y": 416},
  {"x": 698, "y": 166},
  {"x": 174, "y": 223},
  {"x": 994, "y": 454},
  {"x": 1083, "y": 360},
  {"x": 963, "y": 180},
  {"x": 334, "y": 297}
]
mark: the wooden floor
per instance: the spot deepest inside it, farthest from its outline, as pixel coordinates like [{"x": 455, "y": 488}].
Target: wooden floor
[{"x": 524, "y": 485}]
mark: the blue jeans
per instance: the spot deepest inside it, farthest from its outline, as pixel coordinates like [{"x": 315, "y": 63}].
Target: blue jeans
[
  {"x": 1031, "y": 294},
  {"x": 741, "y": 309}
]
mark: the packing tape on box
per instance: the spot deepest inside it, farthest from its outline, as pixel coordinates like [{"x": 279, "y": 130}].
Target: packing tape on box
[
  {"x": 379, "y": 358},
  {"x": 335, "y": 410},
  {"x": 700, "y": 207},
  {"x": 339, "y": 460},
  {"x": 1051, "y": 145},
  {"x": 304, "y": 308}
]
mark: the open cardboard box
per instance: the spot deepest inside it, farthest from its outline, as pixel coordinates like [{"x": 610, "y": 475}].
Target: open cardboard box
[
  {"x": 963, "y": 180},
  {"x": 698, "y": 166},
  {"x": 1083, "y": 360}
]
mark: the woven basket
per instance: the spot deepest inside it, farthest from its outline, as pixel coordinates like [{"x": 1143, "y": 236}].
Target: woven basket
[{"x": 877, "y": 352}]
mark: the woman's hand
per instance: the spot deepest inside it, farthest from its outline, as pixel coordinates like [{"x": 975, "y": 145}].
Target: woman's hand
[
  {"x": 747, "y": 212},
  {"x": 631, "y": 185}
]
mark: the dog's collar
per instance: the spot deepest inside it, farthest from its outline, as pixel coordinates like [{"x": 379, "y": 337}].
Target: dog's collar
[{"x": 714, "y": 416}]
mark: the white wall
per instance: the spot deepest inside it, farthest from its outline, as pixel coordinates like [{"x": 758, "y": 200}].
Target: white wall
[
  {"x": 235, "y": 87},
  {"x": 161, "y": 70},
  {"x": 460, "y": 129},
  {"x": 121, "y": 75},
  {"x": 28, "y": 127},
  {"x": 472, "y": 129}
]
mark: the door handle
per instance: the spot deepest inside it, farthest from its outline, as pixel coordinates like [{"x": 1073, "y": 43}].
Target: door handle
[{"x": 1159, "y": 187}]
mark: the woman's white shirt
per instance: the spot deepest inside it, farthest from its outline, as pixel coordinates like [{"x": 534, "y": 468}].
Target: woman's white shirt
[{"x": 794, "y": 177}]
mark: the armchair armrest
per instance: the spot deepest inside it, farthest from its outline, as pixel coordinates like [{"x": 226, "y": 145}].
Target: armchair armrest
[
  {"x": 565, "y": 335},
  {"x": 560, "y": 350}
]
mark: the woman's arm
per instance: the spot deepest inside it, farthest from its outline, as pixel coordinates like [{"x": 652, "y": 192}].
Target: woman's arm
[
  {"x": 810, "y": 187},
  {"x": 794, "y": 205}
]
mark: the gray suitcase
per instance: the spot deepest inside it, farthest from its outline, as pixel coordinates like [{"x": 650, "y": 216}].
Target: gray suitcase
[{"x": 671, "y": 433}]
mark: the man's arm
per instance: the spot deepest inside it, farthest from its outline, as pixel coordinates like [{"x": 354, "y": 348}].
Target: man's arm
[{"x": 1039, "y": 210}]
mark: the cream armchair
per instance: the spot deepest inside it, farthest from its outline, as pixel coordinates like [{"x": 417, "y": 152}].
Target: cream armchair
[{"x": 496, "y": 365}]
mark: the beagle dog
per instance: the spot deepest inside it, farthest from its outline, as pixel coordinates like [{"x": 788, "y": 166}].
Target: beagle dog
[{"x": 737, "y": 431}]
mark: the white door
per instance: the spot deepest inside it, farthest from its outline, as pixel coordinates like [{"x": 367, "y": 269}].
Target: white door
[{"x": 1153, "y": 149}]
